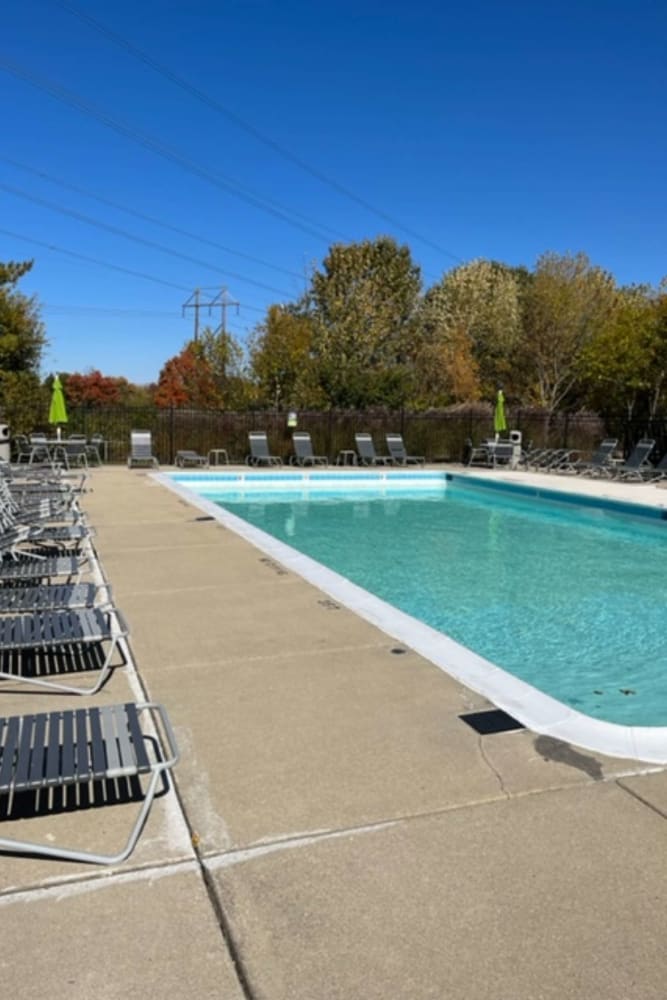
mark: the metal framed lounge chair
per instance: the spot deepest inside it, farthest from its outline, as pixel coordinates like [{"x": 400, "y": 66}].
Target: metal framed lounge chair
[
  {"x": 25, "y": 567},
  {"x": 186, "y": 457},
  {"x": 637, "y": 461},
  {"x": 53, "y": 597},
  {"x": 37, "y": 646},
  {"x": 600, "y": 462},
  {"x": 492, "y": 454},
  {"x": 303, "y": 450},
  {"x": 259, "y": 450},
  {"x": 398, "y": 451},
  {"x": 141, "y": 450},
  {"x": 92, "y": 748},
  {"x": 654, "y": 473},
  {"x": 366, "y": 451}
]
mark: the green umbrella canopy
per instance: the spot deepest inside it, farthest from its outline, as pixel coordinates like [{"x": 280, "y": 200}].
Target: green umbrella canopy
[
  {"x": 57, "y": 409},
  {"x": 499, "y": 421}
]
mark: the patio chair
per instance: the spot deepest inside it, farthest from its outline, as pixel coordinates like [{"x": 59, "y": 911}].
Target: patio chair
[
  {"x": 22, "y": 566},
  {"x": 636, "y": 462},
  {"x": 53, "y": 597},
  {"x": 95, "y": 448},
  {"x": 259, "y": 450},
  {"x": 303, "y": 450},
  {"x": 398, "y": 451},
  {"x": 654, "y": 473},
  {"x": 141, "y": 450},
  {"x": 366, "y": 451},
  {"x": 36, "y": 646},
  {"x": 101, "y": 750},
  {"x": 186, "y": 457},
  {"x": 600, "y": 462}
]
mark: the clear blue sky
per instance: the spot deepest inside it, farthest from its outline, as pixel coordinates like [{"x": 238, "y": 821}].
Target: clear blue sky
[{"x": 479, "y": 129}]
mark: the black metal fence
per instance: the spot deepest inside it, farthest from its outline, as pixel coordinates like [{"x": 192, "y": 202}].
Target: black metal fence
[{"x": 439, "y": 435}]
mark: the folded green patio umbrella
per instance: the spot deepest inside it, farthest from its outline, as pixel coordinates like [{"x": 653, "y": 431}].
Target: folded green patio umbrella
[
  {"x": 57, "y": 409},
  {"x": 499, "y": 421}
]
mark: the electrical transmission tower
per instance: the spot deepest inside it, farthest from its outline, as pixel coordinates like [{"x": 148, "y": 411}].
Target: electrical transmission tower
[{"x": 221, "y": 299}]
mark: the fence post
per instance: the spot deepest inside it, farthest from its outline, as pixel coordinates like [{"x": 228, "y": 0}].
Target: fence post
[{"x": 172, "y": 450}]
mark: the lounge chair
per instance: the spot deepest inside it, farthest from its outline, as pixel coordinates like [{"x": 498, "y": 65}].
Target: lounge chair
[
  {"x": 186, "y": 457},
  {"x": 600, "y": 462},
  {"x": 141, "y": 450},
  {"x": 303, "y": 450},
  {"x": 398, "y": 451},
  {"x": 636, "y": 462},
  {"x": 259, "y": 450},
  {"x": 38, "y": 645},
  {"x": 367, "y": 453},
  {"x": 653, "y": 473},
  {"x": 84, "y": 747},
  {"x": 491, "y": 454}
]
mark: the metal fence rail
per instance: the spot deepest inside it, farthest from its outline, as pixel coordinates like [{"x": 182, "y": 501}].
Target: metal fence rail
[{"x": 440, "y": 435}]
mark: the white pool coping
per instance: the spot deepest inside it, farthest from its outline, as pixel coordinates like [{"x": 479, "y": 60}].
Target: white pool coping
[{"x": 534, "y": 709}]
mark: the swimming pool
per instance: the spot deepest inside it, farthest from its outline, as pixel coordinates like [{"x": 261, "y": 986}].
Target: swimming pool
[{"x": 566, "y": 594}]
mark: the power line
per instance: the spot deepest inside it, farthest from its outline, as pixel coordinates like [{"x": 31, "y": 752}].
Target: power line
[
  {"x": 93, "y": 260},
  {"x": 79, "y": 216},
  {"x": 241, "y": 123},
  {"x": 154, "y": 146},
  {"x": 146, "y": 218}
]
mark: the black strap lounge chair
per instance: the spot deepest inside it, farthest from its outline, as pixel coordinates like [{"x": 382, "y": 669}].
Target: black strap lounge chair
[
  {"x": 398, "y": 452},
  {"x": 366, "y": 451},
  {"x": 653, "y": 473},
  {"x": 599, "y": 464},
  {"x": 492, "y": 454},
  {"x": 303, "y": 450},
  {"x": 36, "y": 647},
  {"x": 36, "y": 597},
  {"x": 259, "y": 450},
  {"x": 186, "y": 457},
  {"x": 89, "y": 748},
  {"x": 637, "y": 461},
  {"x": 26, "y": 567},
  {"x": 141, "y": 450}
]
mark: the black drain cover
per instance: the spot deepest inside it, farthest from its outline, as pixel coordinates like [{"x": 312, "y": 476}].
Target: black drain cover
[{"x": 490, "y": 721}]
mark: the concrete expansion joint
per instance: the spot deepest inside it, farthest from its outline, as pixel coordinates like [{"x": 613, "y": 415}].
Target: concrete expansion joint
[
  {"x": 77, "y": 885},
  {"x": 640, "y": 798}
]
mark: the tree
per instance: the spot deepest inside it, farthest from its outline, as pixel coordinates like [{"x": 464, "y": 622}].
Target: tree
[
  {"x": 625, "y": 363},
  {"x": 22, "y": 340},
  {"x": 281, "y": 359},
  {"x": 363, "y": 304},
  {"x": 187, "y": 380},
  {"x": 94, "y": 389},
  {"x": 224, "y": 357},
  {"x": 566, "y": 304}
]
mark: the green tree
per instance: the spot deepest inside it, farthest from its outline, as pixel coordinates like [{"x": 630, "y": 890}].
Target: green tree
[
  {"x": 225, "y": 359},
  {"x": 567, "y": 303},
  {"x": 468, "y": 329},
  {"x": 363, "y": 303},
  {"x": 624, "y": 366},
  {"x": 22, "y": 341},
  {"x": 281, "y": 359}
]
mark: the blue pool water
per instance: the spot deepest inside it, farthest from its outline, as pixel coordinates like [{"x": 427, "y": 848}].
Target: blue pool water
[{"x": 570, "y": 599}]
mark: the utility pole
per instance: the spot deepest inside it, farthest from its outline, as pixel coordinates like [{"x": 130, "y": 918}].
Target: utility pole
[
  {"x": 221, "y": 299},
  {"x": 224, "y": 300}
]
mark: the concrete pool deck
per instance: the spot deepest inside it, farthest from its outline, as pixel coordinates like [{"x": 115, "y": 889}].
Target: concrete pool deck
[{"x": 337, "y": 831}]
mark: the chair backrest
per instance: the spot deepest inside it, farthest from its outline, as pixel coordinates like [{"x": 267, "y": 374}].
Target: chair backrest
[
  {"x": 639, "y": 454},
  {"x": 303, "y": 446},
  {"x": 365, "y": 446},
  {"x": 141, "y": 445},
  {"x": 259, "y": 445},
  {"x": 604, "y": 451},
  {"x": 396, "y": 447}
]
